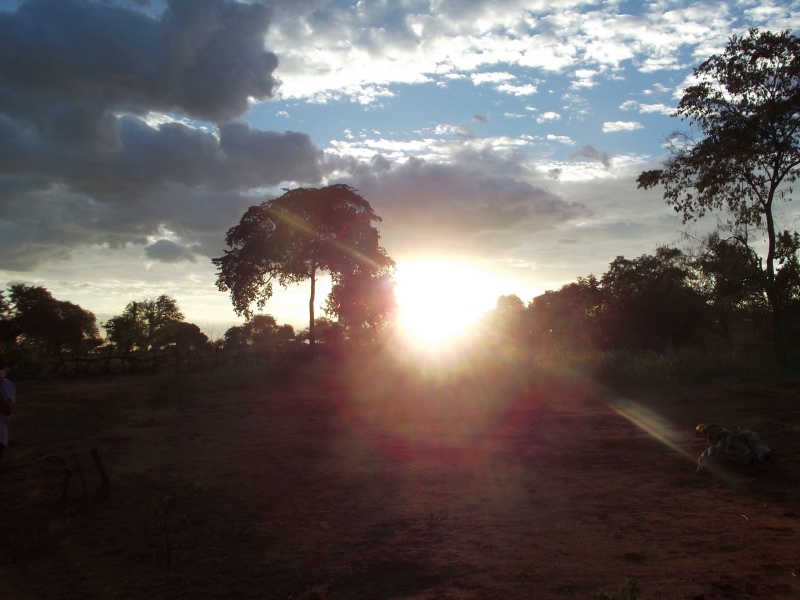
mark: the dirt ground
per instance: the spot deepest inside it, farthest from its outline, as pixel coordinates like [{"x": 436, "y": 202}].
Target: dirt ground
[{"x": 360, "y": 482}]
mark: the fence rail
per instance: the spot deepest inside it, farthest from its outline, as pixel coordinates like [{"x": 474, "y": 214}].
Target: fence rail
[{"x": 112, "y": 362}]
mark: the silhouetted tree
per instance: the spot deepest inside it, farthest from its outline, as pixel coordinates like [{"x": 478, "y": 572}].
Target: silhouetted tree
[
  {"x": 507, "y": 321},
  {"x": 363, "y": 301},
  {"x": 567, "y": 316},
  {"x": 747, "y": 106},
  {"x": 7, "y": 329},
  {"x": 290, "y": 239},
  {"x": 260, "y": 330},
  {"x": 787, "y": 280},
  {"x": 730, "y": 278},
  {"x": 188, "y": 337},
  {"x": 144, "y": 324},
  {"x": 35, "y": 318},
  {"x": 650, "y": 301}
]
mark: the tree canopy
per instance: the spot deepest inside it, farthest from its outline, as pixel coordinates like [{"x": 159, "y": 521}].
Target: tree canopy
[
  {"x": 746, "y": 105},
  {"x": 261, "y": 330},
  {"x": 293, "y": 238},
  {"x": 145, "y": 324},
  {"x": 35, "y": 317},
  {"x": 363, "y": 301}
]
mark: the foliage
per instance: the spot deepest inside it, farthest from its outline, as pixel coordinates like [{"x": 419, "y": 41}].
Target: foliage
[
  {"x": 292, "y": 238},
  {"x": 35, "y": 319},
  {"x": 363, "y": 301},
  {"x": 746, "y": 105},
  {"x": 260, "y": 331},
  {"x": 145, "y": 324},
  {"x": 188, "y": 337},
  {"x": 567, "y": 314},
  {"x": 36, "y": 330},
  {"x": 730, "y": 277},
  {"x": 508, "y": 321},
  {"x": 649, "y": 302}
]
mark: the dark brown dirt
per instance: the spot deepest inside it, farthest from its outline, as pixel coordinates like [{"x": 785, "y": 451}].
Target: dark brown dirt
[{"x": 359, "y": 482}]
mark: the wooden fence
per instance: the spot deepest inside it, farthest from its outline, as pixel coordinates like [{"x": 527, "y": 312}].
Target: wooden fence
[{"x": 110, "y": 361}]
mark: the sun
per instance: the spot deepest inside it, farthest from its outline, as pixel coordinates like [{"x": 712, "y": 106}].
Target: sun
[{"x": 438, "y": 300}]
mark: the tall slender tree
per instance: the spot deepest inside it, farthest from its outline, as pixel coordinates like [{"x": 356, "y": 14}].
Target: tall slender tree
[{"x": 746, "y": 105}]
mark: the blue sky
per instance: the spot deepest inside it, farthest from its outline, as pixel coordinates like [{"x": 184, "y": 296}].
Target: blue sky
[{"x": 504, "y": 134}]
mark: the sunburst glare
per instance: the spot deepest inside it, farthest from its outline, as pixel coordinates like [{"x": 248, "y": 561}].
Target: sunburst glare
[{"x": 439, "y": 300}]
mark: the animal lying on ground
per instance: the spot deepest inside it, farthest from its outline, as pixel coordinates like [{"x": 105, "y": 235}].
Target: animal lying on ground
[{"x": 739, "y": 445}]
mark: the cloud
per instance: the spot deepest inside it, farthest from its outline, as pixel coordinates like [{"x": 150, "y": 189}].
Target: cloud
[
  {"x": 584, "y": 78},
  {"x": 494, "y": 77},
  {"x": 547, "y": 117},
  {"x": 563, "y": 139},
  {"x": 125, "y": 59},
  {"x": 614, "y": 126},
  {"x": 479, "y": 202},
  {"x": 527, "y": 89},
  {"x": 456, "y": 130},
  {"x": 647, "y": 108},
  {"x": 591, "y": 153},
  {"x": 169, "y": 252},
  {"x": 89, "y": 156}
]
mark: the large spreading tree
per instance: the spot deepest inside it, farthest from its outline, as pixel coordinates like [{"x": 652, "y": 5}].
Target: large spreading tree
[
  {"x": 746, "y": 106},
  {"x": 32, "y": 317},
  {"x": 295, "y": 237}
]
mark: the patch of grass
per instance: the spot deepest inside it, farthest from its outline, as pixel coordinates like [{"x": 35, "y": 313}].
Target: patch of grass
[
  {"x": 639, "y": 370},
  {"x": 317, "y": 592},
  {"x": 629, "y": 591}
]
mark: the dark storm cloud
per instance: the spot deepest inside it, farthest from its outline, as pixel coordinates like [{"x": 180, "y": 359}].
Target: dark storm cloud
[
  {"x": 84, "y": 157},
  {"x": 169, "y": 252},
  {"x": 204, "y": 58},
  {"x": 41, "y": 221}
]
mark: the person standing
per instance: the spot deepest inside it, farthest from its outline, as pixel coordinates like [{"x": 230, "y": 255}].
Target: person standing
[{"x": 8, "y": 399}]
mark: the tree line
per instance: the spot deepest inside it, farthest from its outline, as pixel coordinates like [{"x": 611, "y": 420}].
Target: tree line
[
  {"x": 709, "y": 297},
  {"x": 739, "y": 157}
]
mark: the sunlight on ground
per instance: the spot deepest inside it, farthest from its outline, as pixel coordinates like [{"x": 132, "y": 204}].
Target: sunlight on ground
[{"x": 439, "y": 300}]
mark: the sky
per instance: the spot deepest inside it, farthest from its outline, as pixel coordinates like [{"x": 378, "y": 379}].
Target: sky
[{"x": 500, "y": 135}]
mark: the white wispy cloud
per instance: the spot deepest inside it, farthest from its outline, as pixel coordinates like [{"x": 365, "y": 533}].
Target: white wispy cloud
[
  {"x": 659, "y": 108},
  {"x": 494, "y": 77},
  {"x": 614, "y": 126},
  {"x": 527, "y": 89},
  {"x": 562, "y": 139},
  {"x": 548, "y": 117}
]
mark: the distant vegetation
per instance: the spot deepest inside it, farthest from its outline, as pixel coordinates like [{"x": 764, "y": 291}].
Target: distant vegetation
[
  {"x": 658, "y": 317},
  {"x": 655, "y": 316}
]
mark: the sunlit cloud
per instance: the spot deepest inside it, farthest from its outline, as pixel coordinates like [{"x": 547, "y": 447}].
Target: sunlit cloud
[
  {"x": 614, "y": 126},
  {"x": 663, "y": 109},
  {"x": 517, "y": 90},
  {"x": 562, "y": 139},
  {"x": 548, "y": 117}
]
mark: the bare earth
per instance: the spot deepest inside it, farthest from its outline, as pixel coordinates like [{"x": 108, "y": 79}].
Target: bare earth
[{"x": 363, "y": 483}]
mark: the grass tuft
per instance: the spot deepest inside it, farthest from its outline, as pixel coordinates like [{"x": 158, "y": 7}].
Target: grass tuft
[{"x": 629, "y": 591}]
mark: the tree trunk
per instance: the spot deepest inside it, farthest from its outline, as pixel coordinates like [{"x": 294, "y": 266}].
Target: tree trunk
[
  {"x": 311, "y": 336},
  {"x": 773, "y": 296},
  {"x": 778, "y": 342}
]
